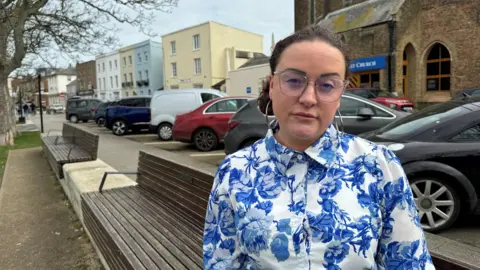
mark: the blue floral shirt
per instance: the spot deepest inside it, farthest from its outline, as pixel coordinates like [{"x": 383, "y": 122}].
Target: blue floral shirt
[{"x": 343, "y": 203}]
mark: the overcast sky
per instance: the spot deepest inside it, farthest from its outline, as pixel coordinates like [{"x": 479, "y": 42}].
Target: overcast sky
[{"x": 249, "y": 15}]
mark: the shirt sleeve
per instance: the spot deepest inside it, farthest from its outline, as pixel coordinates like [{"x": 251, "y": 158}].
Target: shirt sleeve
[
  {"x": 220, "y": 247},
  {"x": 402, "y": 244}
]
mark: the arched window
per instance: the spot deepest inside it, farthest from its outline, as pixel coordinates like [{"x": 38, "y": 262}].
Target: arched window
[{"x": 438, "y": 68}]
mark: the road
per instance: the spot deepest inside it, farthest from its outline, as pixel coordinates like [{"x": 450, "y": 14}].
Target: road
[{"x": 467, "y": 230}]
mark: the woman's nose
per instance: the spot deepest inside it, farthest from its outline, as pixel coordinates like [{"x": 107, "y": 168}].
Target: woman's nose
[{"x": 309, "y": 95}]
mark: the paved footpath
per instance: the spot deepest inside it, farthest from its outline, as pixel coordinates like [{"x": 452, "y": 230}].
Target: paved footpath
[{"x": 38, "y": 229}]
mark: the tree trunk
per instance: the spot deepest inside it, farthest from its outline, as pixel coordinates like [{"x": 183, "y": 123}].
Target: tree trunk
[{"x": 8, "y": 129}]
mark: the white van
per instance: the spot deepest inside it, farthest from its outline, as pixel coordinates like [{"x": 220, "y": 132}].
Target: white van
[{"x": 167, "y": 104}]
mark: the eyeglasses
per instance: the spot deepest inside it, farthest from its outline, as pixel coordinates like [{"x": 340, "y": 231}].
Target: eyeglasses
[{"x": 293, "y": 83}]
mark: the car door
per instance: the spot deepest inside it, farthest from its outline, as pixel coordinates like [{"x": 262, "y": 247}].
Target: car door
[
  {"x": 82, "y": 110},
  {"x": 220, "y": 112},
  {"x": 355, "y": 124}
]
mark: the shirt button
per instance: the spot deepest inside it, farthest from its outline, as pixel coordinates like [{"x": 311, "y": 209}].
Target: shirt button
[{"x": 300, "y": 157}]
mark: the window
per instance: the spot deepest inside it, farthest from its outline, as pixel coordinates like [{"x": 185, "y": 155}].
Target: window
[
  {"x": 140, "y": 75},
  {"x": 470, "y": 134},
  {"x": 116, "y": 63},
  {"x": 438, "y": 69},
  {"x": 226, "y": 106},
  {"x": 69, "y": 78},
  {"x": 139, "y": 57},
  {"x": 207, "y": 96},
  {"x": 111, "y": 82},
  {"x": 116, "y": 80},
  {"x": 82, "y": 104},
  {"x": 98, "y": 68},
  {"x": 103, "y": 66},
  {"x": 145, "y": 56},
  {"x": 174, "y": 69},
  {"x": 196, "y": 42},
  {"x": 100, "y": 84},
  {"x": 198, "y": 85},
  {"x": 130, "y": 59},
  {"x": 110, "y": 64},
  {"x": 149, "y": 92},
  {"x": 104, "y": 84},
  {"x": 125, "y": 77},
  {"x": 197, "y": 66},
  {"x": 124, "y": 61},
  {"x": 174, "y": 87},
  {"x": 146, "y": 74},
  {"x": 131, "y": 77},
  {"x": 350, "y": 107},
  {"x": 370, "y": 79},
  {"x": 126, "y": 93},
  {"x": 173, "y": 46}
]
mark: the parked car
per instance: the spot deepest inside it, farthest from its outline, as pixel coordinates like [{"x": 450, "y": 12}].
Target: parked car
[
  {"x": 467, "y": 92},
  {"x": 386, "y": 98},
  {"x": 100, "y": 111},
  {"x": 167, "y": 104},
  {"x": 80, "y": 109},
  {"x": 439, "y": 149},
  {"x": 359, "y": 115},
  {"x": 206, "y": 126},
  {"x": 132, "y": 113},
  {"x": 55, "y": 108}
]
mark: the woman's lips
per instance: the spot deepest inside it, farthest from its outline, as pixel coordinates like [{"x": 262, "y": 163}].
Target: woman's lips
[{"x": 305, "y": 115}]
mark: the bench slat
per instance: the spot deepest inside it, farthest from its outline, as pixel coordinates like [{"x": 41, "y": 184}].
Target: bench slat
[
  {"x": 123, "y": 239},
  {"x": 152, "y": 232},
  {"x": 164, "y": 219}
]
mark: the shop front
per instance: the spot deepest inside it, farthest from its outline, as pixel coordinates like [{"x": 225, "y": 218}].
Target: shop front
[{"x": 367, "y": 72}]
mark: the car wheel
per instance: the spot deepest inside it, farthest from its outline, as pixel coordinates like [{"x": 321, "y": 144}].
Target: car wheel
[
  {"x": 437, "y": 201},
  {"x": 100, "y": 121},
  {"x": 205, "y": 140},
  {"x": 73, "y": 118},
  {"x": 165, "y": 132},
  {"x": 119, "y": 127}
]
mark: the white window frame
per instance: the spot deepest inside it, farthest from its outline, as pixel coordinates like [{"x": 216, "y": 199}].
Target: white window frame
[
  {"x": 173, "y": 47},
  {"x": 174, "y": 69},
  {"x": 139, "y": 55},
  {"x": 140, "y": 77},
  {"x": 196, "y": 42},
  {"x": 146, "y": 74},
  {"x": 145, "y": 54},
  {"x": 197, "y": 70}
]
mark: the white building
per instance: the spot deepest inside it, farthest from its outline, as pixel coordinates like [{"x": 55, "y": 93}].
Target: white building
[
  {"x": 108, "y": 76},
  {"x": 57, "y": 85},
  {"x": 72, "y": 89},
  {"x": 247, "y": 80}
]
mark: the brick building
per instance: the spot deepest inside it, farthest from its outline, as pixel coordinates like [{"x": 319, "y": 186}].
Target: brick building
[
  {"x": 425, "y": 49},
  {"x": 86, "y": 79}
]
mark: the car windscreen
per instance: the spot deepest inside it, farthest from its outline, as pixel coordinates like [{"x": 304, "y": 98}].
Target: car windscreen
[
  {"x": 421, "y": 120},
  {"x": 381, "y": 93}
]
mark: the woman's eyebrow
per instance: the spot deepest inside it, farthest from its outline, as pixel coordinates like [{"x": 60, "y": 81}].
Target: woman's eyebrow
[{"x": 331, "y": 74}]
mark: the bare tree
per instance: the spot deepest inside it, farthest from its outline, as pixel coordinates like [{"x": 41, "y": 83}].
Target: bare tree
[{"x": 71, "y": 27}]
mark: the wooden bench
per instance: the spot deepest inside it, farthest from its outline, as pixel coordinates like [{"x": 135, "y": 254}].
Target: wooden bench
[
  {"x": 157, "y": 224},
  {"x": 74, "y": 145}
]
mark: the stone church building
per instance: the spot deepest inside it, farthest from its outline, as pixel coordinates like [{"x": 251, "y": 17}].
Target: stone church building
[{"x": 427, "y": 50}]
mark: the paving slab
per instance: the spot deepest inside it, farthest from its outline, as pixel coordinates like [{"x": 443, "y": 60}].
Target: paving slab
[{"x": 38, "y": 229}]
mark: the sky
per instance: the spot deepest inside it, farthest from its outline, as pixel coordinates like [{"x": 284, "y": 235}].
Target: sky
[{"x": 263, "y": 17}]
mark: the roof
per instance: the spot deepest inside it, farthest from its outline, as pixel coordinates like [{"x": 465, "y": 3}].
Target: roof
[
  {"x": 74, "y": 82},
  {"x": 65, "y": 71},
  {"x": 365, "y": 14},
  {"x": 208, "y": 22},
  {"x": 256, "y": 62}
]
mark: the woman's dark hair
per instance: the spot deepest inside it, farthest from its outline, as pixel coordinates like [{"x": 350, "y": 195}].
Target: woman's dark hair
[{"x": 309, "y": 33}]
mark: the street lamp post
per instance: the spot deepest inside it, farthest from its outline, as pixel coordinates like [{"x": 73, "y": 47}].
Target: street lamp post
[{"x": 39, "y": 72}]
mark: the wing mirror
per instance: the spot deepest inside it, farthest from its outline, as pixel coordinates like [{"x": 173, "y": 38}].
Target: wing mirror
[{"x": 365, "y": 113}]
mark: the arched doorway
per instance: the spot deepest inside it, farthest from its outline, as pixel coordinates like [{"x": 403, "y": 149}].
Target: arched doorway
[
  {"x": 438, "y": 68},
  {"x": 408, "y": 69}
]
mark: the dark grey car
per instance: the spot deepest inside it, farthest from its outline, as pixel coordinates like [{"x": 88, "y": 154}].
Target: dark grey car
[
  {"x": 359, "y": 115},
  {"x": 80, "y": 109}
]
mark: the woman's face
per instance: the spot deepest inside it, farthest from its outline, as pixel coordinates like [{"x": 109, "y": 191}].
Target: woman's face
[{"x": 298, "y": 90}]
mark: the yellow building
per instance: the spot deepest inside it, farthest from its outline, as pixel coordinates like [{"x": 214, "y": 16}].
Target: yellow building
[
  {"x": 201, "y": 56},
  {"x": 127, "y": 70}
]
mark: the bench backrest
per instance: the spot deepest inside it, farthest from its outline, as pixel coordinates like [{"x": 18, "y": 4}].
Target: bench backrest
[
  {"x": 176, "y": 185},
  {"x": 82, "y": 138}
]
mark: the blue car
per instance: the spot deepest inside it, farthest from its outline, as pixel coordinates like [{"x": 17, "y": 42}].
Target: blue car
[{"x": 128, "y": 114}]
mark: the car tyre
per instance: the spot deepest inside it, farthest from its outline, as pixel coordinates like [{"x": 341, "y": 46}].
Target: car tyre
[
  {"x": 165, "y": 132},
  {"x": 119, "y": 127},
  {"x": 73, "y": 118},
  {"x": 100, "y": 121},
  {"x": 205, "y": 140},
  {"x": 438, "y": 202}
]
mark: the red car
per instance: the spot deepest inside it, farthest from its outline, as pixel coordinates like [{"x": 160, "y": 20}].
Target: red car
[
  {"x": 206, "y": 126},
  {"x": 384, "y": 97}
]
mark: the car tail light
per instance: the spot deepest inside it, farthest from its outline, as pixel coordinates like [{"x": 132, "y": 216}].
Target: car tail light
[{"x": 233, "y": 124}]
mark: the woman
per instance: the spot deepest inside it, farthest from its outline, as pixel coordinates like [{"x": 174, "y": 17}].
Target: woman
[{"x": 307, "y": 196}]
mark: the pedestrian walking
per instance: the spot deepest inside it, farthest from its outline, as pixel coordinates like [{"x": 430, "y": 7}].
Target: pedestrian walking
[
  {"x": 33, "y": 108},
  {"x": 307, "y": 195},
  {"x": 25, "y": 110}
]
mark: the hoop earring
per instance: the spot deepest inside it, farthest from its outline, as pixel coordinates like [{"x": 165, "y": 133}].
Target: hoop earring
[
  {"x": 341, "y": 122},
  {"x": 266, "y": 112}
]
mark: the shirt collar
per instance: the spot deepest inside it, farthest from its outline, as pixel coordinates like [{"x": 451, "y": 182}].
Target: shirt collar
[{"x": 324, "y": 150}]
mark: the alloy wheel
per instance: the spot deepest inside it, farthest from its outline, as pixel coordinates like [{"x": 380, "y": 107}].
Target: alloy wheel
[
  {"x": 165, "y": 132},
  {"x": 205, "y": 140},
  {"x": 435, "y": 202},
  {"x": 119, "y": 128}
]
